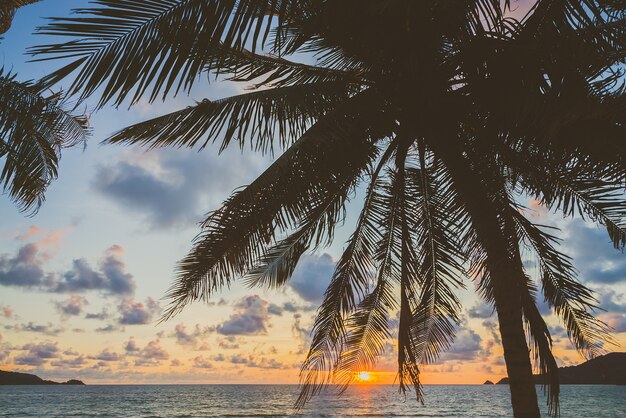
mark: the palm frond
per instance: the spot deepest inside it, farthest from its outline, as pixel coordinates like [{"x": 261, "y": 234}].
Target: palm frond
[
  {"x": 367, "y": 331},
  {"x": 408, "y": 368},
  {"x": 436, "y": 233},
  {"x": 348, "y": 285},
  {"x": 7, "y": 11},
  {"x": 267, "y": 70},
  {"x": 576, "y": 189},
  {"x": 132, "y": 47},
  {"x": 316, "y": 227},
  {"x": 541, "y": 347},
  {"x": 33, "y": 130},
  {"x": 572, "y": 301},
  {"x": 235, "y": 236},
  {"x": 280, "y": 114}
]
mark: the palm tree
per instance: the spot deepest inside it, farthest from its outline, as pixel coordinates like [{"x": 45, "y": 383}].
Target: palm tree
[
  {"x": 34, "y": 128},
  {"x": 445, "y": 112}
]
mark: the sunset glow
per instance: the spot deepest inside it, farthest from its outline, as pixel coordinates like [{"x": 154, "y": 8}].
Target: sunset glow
[
  {"x": 83, "y": 283},
  {"x": 364, "y": 376}
]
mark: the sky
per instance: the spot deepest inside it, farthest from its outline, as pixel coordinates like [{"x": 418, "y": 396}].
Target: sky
[{"x": 82, "y": 282}]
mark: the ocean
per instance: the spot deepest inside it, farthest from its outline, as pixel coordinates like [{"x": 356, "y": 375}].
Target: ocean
[{"x": 277, "y": 400}]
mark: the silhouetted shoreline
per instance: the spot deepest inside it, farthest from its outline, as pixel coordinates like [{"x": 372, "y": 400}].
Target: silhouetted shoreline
[
  {"x": 16, "y": 378},
  {"x": 609, "y": 369}
]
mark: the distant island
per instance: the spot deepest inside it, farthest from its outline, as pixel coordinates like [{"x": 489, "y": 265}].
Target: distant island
[
  {"x": 15, "y": 378},
  {"x": 609, "y": 369}
]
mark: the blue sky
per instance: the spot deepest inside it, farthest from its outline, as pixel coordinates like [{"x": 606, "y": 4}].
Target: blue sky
[{"x": 81, "y": 282}]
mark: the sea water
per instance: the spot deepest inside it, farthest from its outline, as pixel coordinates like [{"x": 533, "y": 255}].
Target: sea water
[{"x": 277, "y": 400}]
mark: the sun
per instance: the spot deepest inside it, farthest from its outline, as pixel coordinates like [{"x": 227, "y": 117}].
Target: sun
[{"x": 364, "y": 376}]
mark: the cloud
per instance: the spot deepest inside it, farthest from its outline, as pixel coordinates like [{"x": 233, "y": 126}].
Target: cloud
[
  {"x": 72, "y": 306},
  {"x": 267, "y": 363},
  {"x": 31, "y": 232},
  {"x": 294, "y": 307},
  {"x": 109, "y": 328},
  {"x": 110, "y": 277},
  {"x": 175, "y": 187},
  {"x": 258, "y": 362},
  {"x": 302, "y": 334},
  {"x": 6, "y": 311},
  {"x": 493, "y": 329},
  {"x": 150, "y": 355},
  {"x": 615, "y": 321},
  {"x": 153, "y": 350},
  {"x": 611, "y": 301},
  {"x": 137, "y": 313},
  {"x": 274, "y": 309},
  {"x": 291, "y": 307},
  {"x": 542, "y": 305},
  {"x": 102, "y": 315},
  {"x": 38, "y": 354},
  {"x": 24, "y": 270},
  {"x": 480, "y": 310},
  {"x": 312, "y": 276},
  {"x": 238, "y": 359},
  {"x": 593, "y": 254},
  {"x": 229, "y": 343},
  {"x": 183, "y": 337},
  {"x": 557, "y": 333},
  {"x": 251, "y": 317},
  {"x": 130, "y": 346},
  {"x": 221, "y": 302},
  {"x": 187, "y": 338},
  {"x": 106, "y": 355},
  {"x": 202, "y": 363},
  {"x": 48, "y": 329},
  {"x": 44, "y": 350},
  {"x": 72, "y": 363},
  {"x": 466, "y": 347}
]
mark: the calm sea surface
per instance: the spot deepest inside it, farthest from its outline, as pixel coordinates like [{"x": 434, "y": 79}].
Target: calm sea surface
[{"x": 277, "y": 400}]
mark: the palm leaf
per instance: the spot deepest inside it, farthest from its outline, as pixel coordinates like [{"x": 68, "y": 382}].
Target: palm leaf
[
  {"x": 408, "y": 369},
  {"x": 348, "y": 285},
  {"x": 571, "y": 300},
  {"x": 132, "y": 47},
  {"x": 264, "y": 116},
  {"x": 316, "y": 227},
  {"x": 439, "y": 259},
  {"x": 7, "y": 11},
  {"x": 33, "y": 130},
  {"x": 578, "y": 189},
  {"x": 235, "y": 236}
]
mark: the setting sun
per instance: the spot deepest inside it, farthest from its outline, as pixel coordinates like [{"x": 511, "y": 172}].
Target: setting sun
[{"x": 364, "y": 376}]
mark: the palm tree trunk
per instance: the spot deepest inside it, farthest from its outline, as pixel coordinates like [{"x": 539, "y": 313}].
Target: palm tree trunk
[
  {"x": 505, "y": 286},
  {"x": 516, "y": 354}
]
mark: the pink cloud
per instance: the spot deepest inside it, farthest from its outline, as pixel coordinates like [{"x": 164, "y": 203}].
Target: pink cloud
[
  {"x": 32, "y": 231},
  {"x": 7, "y": 312}
]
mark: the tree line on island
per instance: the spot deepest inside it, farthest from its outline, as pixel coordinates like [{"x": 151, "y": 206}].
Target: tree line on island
[
  {"x": 609, "y": 369},
  {"x": 17, "y": 378}
]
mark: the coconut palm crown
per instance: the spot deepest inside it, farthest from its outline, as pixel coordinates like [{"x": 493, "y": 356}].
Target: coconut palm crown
[{"x": 443, "y": 112}]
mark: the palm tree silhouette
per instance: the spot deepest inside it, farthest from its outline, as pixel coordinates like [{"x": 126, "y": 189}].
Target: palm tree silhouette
[
  {"x": 34, "y": 127},
  {"x": 444, "y": 111}
]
